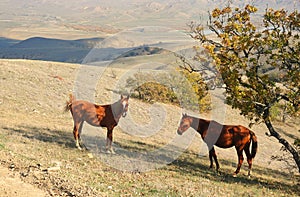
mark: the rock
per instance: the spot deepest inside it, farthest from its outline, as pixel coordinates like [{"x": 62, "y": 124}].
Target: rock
[
  {"x": 90, "y": 155},
  {"x": 53, "y": 169}
]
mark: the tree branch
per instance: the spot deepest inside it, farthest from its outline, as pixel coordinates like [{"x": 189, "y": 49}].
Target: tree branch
[{"x": 284, "y": 142}]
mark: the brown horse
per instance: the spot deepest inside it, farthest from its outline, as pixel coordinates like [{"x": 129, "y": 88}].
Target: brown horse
[
  {"x": 96, "y": 115},
  {"x": 223, "y": 136}
]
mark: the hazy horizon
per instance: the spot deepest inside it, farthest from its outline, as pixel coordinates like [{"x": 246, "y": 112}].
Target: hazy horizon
[{"x": 76, "y": 19}]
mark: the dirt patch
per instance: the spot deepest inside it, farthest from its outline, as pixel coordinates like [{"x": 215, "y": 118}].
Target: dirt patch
[{"x": 12, "y": 185}]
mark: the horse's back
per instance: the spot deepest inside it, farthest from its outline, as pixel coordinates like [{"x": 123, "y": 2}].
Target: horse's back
[
  {"x": 81, "y": 105},
  {"x": 241, "y": 130},
  {"x": 86, "y": 111},
  {"x": 241, "y": 135},
  {"x": 226, "y": 137},
  {"x": 231, "y": 135}
]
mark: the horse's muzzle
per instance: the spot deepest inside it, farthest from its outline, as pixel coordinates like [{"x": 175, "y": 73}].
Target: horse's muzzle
[{"x": 179, "y": 132}]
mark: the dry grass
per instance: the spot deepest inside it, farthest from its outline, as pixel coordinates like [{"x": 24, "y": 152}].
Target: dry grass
[{"x": 36, "y": 144}]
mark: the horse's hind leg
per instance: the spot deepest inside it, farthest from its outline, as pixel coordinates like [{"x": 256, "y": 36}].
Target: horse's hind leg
[
  {"x": 249, "y": 158},
  {"x": 81, "y": 144},
  {"x": 240, "y": 160},
  {"x": 76, "y": 134}
]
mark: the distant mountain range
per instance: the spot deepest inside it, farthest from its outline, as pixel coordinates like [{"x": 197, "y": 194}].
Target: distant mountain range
[
  {"x": 24, "y": 19},
  {"x": 71, "y": 51},
  {"x": 39, "y": 48},
  {"x": 48, "y": 24}
]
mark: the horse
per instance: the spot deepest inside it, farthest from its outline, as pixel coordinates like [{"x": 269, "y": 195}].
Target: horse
[
  {"x": 96, "y": 115},
  {"x": 223, "y": 136}
]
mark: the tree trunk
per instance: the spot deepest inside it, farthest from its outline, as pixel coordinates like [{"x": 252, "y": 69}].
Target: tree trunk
[{"x": 285, "y": 143}]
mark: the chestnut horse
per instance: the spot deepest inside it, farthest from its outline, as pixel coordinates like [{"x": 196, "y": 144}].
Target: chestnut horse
[
  {"x": 96, "y": 115},
  {"x": 223, "y": 136}
]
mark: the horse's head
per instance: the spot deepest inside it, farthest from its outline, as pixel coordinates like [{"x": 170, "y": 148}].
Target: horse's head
[
  {"x": 125, "y": 103},
  {"x": 185, "y": 123}
]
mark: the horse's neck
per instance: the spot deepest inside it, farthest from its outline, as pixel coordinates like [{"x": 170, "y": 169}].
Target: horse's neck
[
  {"x": 117, "y": 110},
  {"x": 195, "y": 123},
  {"x": 200, "y": 125}
]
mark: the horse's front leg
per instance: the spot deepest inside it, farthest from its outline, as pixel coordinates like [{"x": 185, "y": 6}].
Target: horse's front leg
[
  {"x": 109, "y": 139},
  {"x": 211, "y": 159},
  {"x": 212, "y": 154}
]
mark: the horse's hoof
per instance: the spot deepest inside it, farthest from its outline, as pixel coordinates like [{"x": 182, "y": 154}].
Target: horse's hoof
[
  {"x": 110, "y": 151},
  {"x": 249, "y": 174},
  {"x": 234, "y": 175}
]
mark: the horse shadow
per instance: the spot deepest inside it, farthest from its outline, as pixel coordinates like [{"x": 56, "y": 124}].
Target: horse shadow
[
  {"x": 194, "y": 167},
  {"x": 95, "y": 141},
  {"x": 139, "y": 153},
  {"x": 43, "y": 134}
]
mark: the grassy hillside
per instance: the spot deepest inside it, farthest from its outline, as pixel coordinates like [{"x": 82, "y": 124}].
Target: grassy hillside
[{"x": 36, "y": 144}]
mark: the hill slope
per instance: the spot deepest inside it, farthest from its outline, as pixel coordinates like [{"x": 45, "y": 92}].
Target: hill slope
[{"x": 36, "y": 144}]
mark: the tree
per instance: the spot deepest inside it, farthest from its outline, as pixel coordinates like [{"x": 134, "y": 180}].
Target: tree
[{"x": 244, "y": 56}]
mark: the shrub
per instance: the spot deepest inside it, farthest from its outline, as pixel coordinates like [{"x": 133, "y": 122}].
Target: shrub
[{"x": 182, "y": 88}]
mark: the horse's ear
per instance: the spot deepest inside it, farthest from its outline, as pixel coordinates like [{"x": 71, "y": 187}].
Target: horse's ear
[{"x": 124, "y": 97}]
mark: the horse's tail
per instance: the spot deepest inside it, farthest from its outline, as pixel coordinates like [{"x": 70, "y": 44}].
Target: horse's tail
[
  {"x": 69, "y": 103},
  {"x": 254, "y": 144}
]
